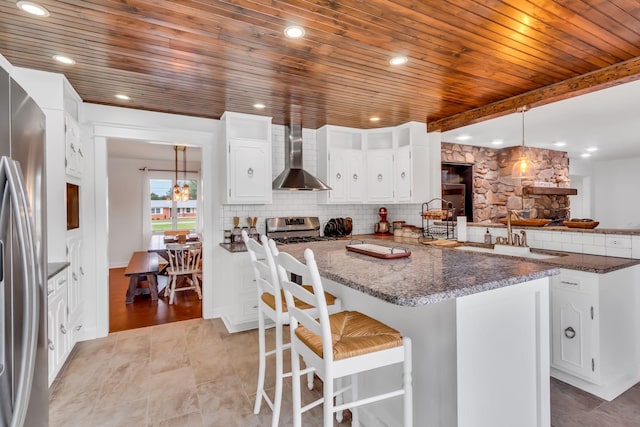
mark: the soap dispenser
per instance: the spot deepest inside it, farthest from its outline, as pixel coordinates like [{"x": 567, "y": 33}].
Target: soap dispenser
[{"x": 487, "y": 237}]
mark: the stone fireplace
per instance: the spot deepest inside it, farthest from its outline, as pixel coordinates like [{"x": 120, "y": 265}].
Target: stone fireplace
[{"x": 494, "y": 191}]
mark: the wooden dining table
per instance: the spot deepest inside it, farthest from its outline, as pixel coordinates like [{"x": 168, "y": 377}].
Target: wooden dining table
[
  {"x": 144, "y": 265},
  {"x": 158, "y": 242}
]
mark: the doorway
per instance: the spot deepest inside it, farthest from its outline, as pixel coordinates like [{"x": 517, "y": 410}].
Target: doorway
[{"x": 141, "y": 178}]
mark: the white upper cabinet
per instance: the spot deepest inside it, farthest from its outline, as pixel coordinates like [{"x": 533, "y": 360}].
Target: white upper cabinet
[
  {"x": 247, "y": 141},
  {"x": 414, "y": 164},
  {"x": 74, "y": 157},
  {"x": 341, "y": 164},
  {"x": 390, "y": 165}
]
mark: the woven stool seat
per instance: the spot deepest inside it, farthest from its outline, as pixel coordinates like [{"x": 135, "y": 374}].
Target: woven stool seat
[
  {"x": 270, "y": 300},
  {"x": 352, "y": 334}
]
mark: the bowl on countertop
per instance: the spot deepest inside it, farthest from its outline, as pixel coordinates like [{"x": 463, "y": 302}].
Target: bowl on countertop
[{"x": 582, "y": 224}]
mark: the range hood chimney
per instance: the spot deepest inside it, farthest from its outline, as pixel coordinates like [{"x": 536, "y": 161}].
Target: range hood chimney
[{"x": 294, "y": 177}]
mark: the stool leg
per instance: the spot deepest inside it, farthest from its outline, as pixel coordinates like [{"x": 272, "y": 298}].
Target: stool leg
[
  {"x": 327, "y": 407},
  {"x": 295, "y": 387},
  {"x": 277, "y": 398},
  {"x": 261, "y": 363},
  {"x": 355, "y": 418},
  {"x": 339, "y": 401},
  {"x": 407, "y": 385}
]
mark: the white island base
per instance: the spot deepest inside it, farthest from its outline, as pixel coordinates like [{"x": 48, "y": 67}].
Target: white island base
[{"x": 480, "y": 360}]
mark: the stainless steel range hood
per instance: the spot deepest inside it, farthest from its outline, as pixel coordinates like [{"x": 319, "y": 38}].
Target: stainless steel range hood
[{"x": 294, "y": 177}]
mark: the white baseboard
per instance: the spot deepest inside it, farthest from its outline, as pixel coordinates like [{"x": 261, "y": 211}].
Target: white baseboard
[{"x": 606, "y": 391}]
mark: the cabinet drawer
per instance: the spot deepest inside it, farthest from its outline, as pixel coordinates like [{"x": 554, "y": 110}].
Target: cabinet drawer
[
  {"x": 248, "y": 310},
  {"x": 575, "y": 281}
]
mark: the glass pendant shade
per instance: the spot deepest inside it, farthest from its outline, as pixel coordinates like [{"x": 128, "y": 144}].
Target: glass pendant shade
[
  {"x": 185, "y": 192},
  {"x": 177, "y": 193},
  {"x": 523, "y": 168}
]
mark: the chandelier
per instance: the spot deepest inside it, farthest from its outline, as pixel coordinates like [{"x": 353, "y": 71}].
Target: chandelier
[{"x": 181, "y": 194}]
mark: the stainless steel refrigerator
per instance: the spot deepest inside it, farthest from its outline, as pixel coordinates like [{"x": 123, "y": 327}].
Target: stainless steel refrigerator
[{"x": 23, "y": 260}]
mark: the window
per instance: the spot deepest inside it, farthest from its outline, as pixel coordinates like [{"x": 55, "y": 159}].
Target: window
[{"x": 163, "y": 207}]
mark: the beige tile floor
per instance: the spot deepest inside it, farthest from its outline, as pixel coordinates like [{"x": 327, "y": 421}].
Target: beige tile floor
[
  {"x": 186, "y": 374},
  {"x": 195, "y": 374}
]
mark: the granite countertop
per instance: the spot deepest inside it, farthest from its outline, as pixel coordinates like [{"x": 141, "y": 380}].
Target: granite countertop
[
  {"x": 54, "y": 268},
  {"x": 597, "y": 230},
  {"x": 234, "y": 247},
  {"x": 570, "y": 260},
  {"x": 430, "y": 275}
]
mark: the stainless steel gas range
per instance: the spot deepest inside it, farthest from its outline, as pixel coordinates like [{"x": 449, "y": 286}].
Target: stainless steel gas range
[{"x": 303, "y": 229}]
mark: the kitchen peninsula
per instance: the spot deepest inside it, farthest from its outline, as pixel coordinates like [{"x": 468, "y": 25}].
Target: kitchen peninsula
[{"x": 479, "y": 325}]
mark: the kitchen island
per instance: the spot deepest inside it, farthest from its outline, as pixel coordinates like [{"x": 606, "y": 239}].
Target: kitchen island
[{"x": 479, "y": 325}]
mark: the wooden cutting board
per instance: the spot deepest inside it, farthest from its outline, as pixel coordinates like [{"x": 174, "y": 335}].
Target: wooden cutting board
[{"x": 442, "y": 243}]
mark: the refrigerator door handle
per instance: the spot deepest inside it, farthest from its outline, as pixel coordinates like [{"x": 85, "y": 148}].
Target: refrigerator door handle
[{"x": 12, "y": 182}]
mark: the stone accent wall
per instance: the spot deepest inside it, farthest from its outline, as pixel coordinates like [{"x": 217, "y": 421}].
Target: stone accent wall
[{"x": 495, "y": 192}]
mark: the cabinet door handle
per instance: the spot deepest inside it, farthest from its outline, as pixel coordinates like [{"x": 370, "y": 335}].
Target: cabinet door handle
[
  {"x": 338, "y": 176},
  {"x": 50, "y": 345},
  {"x": 402, "y": 175},
  {"x": 75, "y": 276},
  {"x": 355, "y": 176},
  {"x": 77, "y": 328},
  {"x": 250, "y": 172},
  {"x": 73, "y": 148},
  {"x": 566, "y": 282},
  {"x": 379, "y": 177},
  {"x": 63, "y": 329},
  {"x": 80, "y": 152},
  {"x": 82, "y": 271},
  {"x": 570, "y": 333}
]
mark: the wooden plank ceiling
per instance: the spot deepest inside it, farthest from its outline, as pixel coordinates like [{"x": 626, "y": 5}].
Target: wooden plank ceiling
[{"x": 467, "y": 59}]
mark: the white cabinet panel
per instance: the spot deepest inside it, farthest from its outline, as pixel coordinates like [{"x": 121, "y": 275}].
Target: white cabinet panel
[
  {"x": 380, "y": 176},
  {"x": 403, "y": 174},
  {"x": 249, "y": 172},
  {"x": 346, "y": 176},
  {"x": 247, "y": 141}
]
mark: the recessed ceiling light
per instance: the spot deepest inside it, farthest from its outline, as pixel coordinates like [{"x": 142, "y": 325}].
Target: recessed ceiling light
[
  {"x": 560, "y": 144},
  {"x": 375, "y": 119},
  {"x": 64, "y": 59},
  {"x": 33, "y": 8},
  {"x": 497, "y": 142},
  {"x": 592, "y": 149},
  {"x": 463, "y": 138},
  {"x": 398, "y": 60},
  {"x": 294, "y": 31},
  {"x": 259, "y": 106},
  {"x": 123, "y": 97},
  {"x": 585, "y": 155}
]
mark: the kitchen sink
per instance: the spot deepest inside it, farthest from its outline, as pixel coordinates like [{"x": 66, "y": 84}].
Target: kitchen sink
[{"x": 517, "y": 251}]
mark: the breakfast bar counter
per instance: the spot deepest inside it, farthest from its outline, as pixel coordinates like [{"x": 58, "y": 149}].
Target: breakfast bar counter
[{"x": 479, "y": 326}]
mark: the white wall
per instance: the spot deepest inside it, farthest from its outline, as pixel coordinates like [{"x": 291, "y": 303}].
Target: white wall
[
  {"x": 125, "y": 205},
  {"x": 616, "y": 198}
]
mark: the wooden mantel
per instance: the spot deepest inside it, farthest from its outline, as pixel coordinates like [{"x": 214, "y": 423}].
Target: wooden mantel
[{"x": 549, "y": 191}]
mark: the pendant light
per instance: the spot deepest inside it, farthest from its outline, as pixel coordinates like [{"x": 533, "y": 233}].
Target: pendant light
[
  {"x": 185, "y": 187},
  {"x": 177, "y": 193},
  {"x": 523, "y": 168}
]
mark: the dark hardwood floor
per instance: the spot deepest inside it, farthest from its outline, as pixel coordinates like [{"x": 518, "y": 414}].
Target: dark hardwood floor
[{"x": 144, "y": 312}]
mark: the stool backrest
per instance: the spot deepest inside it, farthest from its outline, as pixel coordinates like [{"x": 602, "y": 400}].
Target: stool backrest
[
  {"x": 317, "y": 321},
  {"x": 264, "y": 268},
  {"x": 184, "y": 258}
]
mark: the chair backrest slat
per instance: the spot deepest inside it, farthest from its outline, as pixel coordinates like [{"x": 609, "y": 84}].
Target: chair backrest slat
[
  {"x": 317, "y": 321},
  {"x": 263, "y": 269},
  {"x": 184, "y": 258}
]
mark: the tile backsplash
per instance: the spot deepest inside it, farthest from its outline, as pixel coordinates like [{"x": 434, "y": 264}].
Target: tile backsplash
[{"x": 303, "y": 203}]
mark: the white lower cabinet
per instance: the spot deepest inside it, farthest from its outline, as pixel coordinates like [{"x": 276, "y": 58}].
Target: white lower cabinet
[
  {"x": 241, "y": 312},
  {"x": 594, "y": 330},
  {"x": 58, "y": 335}
]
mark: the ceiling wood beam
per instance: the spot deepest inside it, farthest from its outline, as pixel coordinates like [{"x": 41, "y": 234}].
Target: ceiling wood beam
[{"x": 622, "y": 72}]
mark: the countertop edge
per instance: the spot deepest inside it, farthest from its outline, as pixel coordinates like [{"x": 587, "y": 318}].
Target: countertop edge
[{"x": 54, "y": 268}]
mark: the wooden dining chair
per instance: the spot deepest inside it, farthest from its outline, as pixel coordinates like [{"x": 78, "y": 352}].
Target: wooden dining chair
[
  {"x": 272, "y": 305},
  {"x": 184, "y": 262},
  {"x": 338, "y": 345}
]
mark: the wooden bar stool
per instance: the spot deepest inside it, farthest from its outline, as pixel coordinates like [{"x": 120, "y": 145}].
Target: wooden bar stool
[
  {"x": 338, "y": 345},
  {"x": 272, "y": 304}
]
